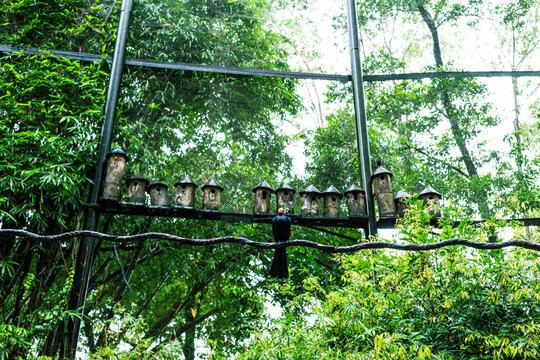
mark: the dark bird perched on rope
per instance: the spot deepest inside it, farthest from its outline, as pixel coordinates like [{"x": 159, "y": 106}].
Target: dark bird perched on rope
[{"x": 281, "y": 229}]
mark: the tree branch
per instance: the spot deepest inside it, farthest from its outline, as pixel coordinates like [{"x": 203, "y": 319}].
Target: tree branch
[
  {"x": 272, "y": 245},
  {"x": 154, "y": 292},
  {"x": 182, "y": 329}
]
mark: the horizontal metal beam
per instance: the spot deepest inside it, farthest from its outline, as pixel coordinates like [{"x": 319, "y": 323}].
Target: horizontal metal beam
[
  {"x": 226, "y": 70},
  {"x": 390, "y": 222},
  {"x": 125, "y": 208},
  {"x": 450, "y": 74},
  {"x": 236, "y": 71}
]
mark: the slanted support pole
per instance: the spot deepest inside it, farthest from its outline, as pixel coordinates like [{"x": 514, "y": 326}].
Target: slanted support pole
[
  {"x": 360, "y": 117},
  {"x": 85, "y": 252}
]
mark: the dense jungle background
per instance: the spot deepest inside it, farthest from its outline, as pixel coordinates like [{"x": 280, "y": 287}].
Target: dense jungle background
[{"x": 475, "y": 140}]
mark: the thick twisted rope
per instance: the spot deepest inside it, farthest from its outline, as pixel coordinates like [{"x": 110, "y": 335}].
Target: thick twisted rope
[{"x": 271, "y": 245}]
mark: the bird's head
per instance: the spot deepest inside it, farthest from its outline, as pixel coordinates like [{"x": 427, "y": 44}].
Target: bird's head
[{"x": 280, "y": 211}]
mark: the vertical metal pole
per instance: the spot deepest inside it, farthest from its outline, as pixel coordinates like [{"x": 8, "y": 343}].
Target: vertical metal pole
[
  {"x": 85, "y": 253},
  {"x": 362, "y": 136}
]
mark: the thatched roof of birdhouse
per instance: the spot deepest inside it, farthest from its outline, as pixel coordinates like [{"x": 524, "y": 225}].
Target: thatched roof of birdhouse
[
  {"x": 332, "y": 190},
  {"x": 285, "y": 186},
  {"x": 263, "y": 185},
  {"x": 212, "y": 182},
  {"x": 429, "y": 190},
  {"x": 402, "y": 195},
  {"x": 310, "y": 190},
  {"x": 186, "y": 180},
  {"x": 354, "y": 188},
  {"x": 157, "y": 183}
]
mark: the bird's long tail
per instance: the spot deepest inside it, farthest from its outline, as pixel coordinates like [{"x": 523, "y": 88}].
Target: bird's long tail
[{"x": 279, "y": 267}]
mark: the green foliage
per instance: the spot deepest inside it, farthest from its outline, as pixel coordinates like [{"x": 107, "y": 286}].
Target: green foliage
[
  {"x": 442, "y": 11},
  {"x": 169, "y": 123},
  {"x": 154, "y": 299},
  {"x": 428, "y": 132},
  {"x": 453, "y": 303},
  {"x": 76, "y": 25},
  {"x": 12, "y": 337},
  {"x": 50, "y": 110}
]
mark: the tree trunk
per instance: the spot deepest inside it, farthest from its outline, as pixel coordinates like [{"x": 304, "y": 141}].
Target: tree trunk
[{"x": 457, "y": 132}]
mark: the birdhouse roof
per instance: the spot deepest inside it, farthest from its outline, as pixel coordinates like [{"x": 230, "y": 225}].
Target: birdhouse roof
[
  {"x": 401, "y": 195},
  {"x": 332, "y": 190},
  {"x": 354, "y": 188},
  {"x": 117, "y": 151},
  {"x": 157, "y": 183},
  {"x": 186, "y": 180},
  {"x": 380, "y": 171},
  {"x": 310, "y": 190},
  {"x": 138, "y": 177},
  {"x": 263, "y": 185},
  {"x": 285, "y": 186},
  {"x": 213, "y": 183},
  {"x": 429, "y": 190}
]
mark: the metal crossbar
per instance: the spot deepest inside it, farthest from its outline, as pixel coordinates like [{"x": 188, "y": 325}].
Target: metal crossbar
[{"x": 239, "y": 71}]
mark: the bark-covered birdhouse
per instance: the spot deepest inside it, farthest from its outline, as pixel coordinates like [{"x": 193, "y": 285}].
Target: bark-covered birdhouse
[
  {"x": 137, "y": 189},
  {"x": 285, "y": 198},
  {"x": 332, "y": 198},
  {"x": 399, "y": 202},
  {"x": 211, "y": 195},
  {"x": 356, "y": 200},
  {"x": 261, "y": 198},
  {"x": 185, "y": 192},
  {"x": 310, "y": 201},
  {"x": 382, "y": 184},
  {"x": 431, "y": 199},
  {"x": 158, "y": 194},
  {"x": 116, "y": 164}
]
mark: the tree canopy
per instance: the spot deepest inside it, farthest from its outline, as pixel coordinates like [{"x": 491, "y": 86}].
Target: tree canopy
[{"x": 159, "y": 299}]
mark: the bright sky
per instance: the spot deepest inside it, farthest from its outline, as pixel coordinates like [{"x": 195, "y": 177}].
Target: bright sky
[{"x": 470, "y": 49}]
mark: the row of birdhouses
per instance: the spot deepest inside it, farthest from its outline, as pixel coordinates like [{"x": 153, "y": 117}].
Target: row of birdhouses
[
  {"x": 390, "y": 205},
  {"x": 185, "y": 192}
]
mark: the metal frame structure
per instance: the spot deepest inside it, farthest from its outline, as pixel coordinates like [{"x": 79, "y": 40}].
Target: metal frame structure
[
  {"x": 85, "y": 252},
  {"x": 86, "y": 245},
  {"x": 236, "y": 71}
]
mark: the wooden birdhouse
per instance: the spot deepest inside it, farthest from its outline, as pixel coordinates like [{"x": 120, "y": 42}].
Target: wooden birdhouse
[
  {"x": 356, "y": 200},
  {"x": 332, "y": 198},
  {"x": 400, "y": 204},
  {"x": 211, "y": 195},
  {"x": 185, "y": 192},
  {"x": 285, "y": 198},
  {"x": 431, "y": 199},
  {"x": 310, "y": 201},
  {"x": 137, "y": 189},
  {"x": 158, "y": 194},
  {"x": 116, "y": 164},
  {"x": 261, "y": 200},
  {"x": 382, "y": 184}
]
